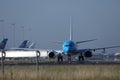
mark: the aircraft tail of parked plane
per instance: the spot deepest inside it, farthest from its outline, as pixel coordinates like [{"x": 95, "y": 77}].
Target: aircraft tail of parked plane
[
  {"x": 3, "y": 43},
  {"x": 24, "y": 44}
]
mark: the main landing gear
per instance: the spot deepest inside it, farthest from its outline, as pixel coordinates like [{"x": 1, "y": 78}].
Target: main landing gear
[
  {"x": 69, "y": 58},
  {"x": 60, "y": 58},
  {"x": 81, "y": 58}
]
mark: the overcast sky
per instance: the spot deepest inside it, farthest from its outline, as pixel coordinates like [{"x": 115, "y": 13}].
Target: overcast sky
[{"x": 46, "y": 21}]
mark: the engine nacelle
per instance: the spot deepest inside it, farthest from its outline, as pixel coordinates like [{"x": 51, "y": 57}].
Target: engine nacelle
[
  {"x": 88, "y": 54},
  {"x": 51, "y": 54}
]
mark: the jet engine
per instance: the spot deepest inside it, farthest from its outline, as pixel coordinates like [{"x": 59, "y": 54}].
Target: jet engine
[
  {"x": 88, "y": 54},
  {"x": 51, "y": 54}
]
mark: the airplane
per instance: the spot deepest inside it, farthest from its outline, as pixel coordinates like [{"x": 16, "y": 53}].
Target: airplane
[
  {"x": 26, "y": 44},
  {"x": 69, "y": 48},
  {"x": 3, "y": 43},
  {"x": 24, "y": 50}
]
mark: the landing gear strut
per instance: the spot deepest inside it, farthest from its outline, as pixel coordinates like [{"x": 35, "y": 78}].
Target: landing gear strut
[
  {"x": 69, "y": 58},
  {"x": 81, "y": 58},
  {"x": 60, "y": 58}
]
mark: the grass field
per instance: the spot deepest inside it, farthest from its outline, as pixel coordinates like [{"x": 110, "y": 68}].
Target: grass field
[{"x": 62, "y": 72}]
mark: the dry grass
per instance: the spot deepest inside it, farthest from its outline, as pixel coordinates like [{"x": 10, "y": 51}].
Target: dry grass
[{"x": 63, "y": 72}]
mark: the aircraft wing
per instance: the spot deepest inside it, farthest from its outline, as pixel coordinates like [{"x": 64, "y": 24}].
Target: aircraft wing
[
  {"x": 103, "y": 48},
  {"x": 95, "y": 49}
]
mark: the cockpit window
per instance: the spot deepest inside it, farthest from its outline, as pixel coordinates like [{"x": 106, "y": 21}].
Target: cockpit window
[{"x": 68, "y": 45}]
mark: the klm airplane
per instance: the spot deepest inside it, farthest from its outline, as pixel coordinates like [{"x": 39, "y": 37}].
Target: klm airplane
[
  {"x": 69, "y": 48},
  {"x": 3, "y": 44}
]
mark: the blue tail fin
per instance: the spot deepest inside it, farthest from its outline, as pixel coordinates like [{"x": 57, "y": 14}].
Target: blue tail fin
[
  {"x": 23, "y": 44},
  {"x": 3, "y": 43}
]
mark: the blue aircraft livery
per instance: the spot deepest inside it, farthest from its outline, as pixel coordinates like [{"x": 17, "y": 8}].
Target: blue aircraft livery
[
  {"x": 3, "y": 43},
  {"x": 24, "y": 44},
  {"x": 69, "y": 46}
]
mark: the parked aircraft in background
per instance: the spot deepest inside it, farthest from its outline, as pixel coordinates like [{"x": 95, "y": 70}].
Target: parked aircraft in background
[
  {"x": 26, "y": 44},
  {"x": 24, "y": 50},
  {"x": 3, "y": 43}
]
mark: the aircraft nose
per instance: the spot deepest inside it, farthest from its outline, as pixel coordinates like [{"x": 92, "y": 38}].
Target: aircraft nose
[{"x": 66, "y": 49}]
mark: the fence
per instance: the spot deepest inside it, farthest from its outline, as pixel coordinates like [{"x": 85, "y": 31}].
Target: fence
[{"x": 30, "y": 55}]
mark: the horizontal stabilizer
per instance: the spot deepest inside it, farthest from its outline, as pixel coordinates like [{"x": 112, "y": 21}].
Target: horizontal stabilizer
[
  {"x": 85, "y": 41},
  {"x": 58, "y": 42}
]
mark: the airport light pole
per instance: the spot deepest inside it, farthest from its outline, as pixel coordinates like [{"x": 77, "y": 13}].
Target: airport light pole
[
  {"x": 2, "y": 63},
  {"x": 13, "y": 27},
  {"x": 2, "y": 28},
  {"x": 29, "y": 32},
  {"x": 23, "y": 31}
]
